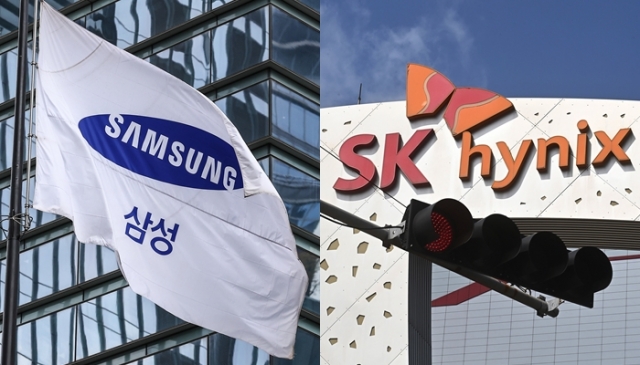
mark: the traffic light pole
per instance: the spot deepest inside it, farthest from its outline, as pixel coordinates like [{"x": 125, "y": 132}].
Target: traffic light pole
[
  {"x": 419, "y": 298},
  {"x": 419, "y": 310},
  {"x": 390, "y": 236}
]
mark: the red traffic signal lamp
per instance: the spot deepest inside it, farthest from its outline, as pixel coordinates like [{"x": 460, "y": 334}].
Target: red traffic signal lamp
[
  {"x": 493, "y": 246},
  {"x": 436, "y": 228}
]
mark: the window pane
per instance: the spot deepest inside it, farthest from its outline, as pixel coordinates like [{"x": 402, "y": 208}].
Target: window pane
[
  {"x": 311, "y": 265},
  {"x": 48, "y": 340},
  {"x": 313, "y": 4},
  {"x": 6, "y": 140},
  {"x": 48, "y": 268},
  {"x": 117, "y": 318},
  {"x": 9, "y": 12},
  {"x": 248, "y": 110},
  {"x": 44, "y": 270},
  {"x": 240, "y": 43},
  {"x": 95, "y": 261},
  {"x": 128, "y": 22},
  {"x": 307, "y": 350},
  {"x": 103, "y": 24},
  {"x": 300, "y": 193},
  {"x": 193, "y": 353},
  {"x": 296, "y": 120},
  {"x": 264, "y": 163},
  {"x": 224, "y": 350},
  {"x": 189, "y": 61},
  {"x": 9, "y": 71},
  {"x": 295, "y": 45},
  {"x": 59, "y": 4}
]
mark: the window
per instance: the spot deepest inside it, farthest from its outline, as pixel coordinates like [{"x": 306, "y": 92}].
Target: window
[{"x": 295, "y": 45}]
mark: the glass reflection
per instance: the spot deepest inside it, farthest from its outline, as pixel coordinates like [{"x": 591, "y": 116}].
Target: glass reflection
[
  {"x": 48, "y": 268},
  {"x": 296, "y": 120},
  {"x": 225, "y": 350},
  {"x": 128, "y": 22},
  {"x": 48, "y": 340},
  {"x": 9, "y": 16},
  {"x": 264, "y": 163},
  {"x": 189, "y": 61},
  {"x": 225, "y": 50},
  {"x": 248, "y": 110},
  {"x": 44, "y": 270},
  {"x": 103, "y": 23},
  {"x": 313, "y": 4},
  {"x": 300, "y": 194},
  {"x": 53, "y": 266},
  {"x": 95, "y": 261},
  {"x": 240, "y": 43},
  {"x": 311, "y": 265},
  {"x": 9, "y": 13},
  {"x": 6, "y": 140},
  {"x": 307, "y": 350},
  {"x": 9, "y": 71},
  {"x": 295, "y": 45},
  {"x": 117, "y": 318},
  {"x": 193, "y": 353}
]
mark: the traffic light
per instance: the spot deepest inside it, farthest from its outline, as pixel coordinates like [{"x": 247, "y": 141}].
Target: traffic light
[{"x": 493, "y": 246}]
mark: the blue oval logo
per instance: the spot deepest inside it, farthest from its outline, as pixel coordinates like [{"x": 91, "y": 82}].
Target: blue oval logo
[{"x": 164, "y": 150}]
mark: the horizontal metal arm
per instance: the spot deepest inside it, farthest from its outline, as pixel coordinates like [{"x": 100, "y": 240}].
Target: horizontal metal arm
[
  {"x": 542, "y": 307},
  {"x": 382, "y": 233}
]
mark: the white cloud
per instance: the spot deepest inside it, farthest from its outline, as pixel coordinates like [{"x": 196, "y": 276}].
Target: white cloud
[
  {"x": 457, "y": 29},
  {"x": 354, "y": 51}
]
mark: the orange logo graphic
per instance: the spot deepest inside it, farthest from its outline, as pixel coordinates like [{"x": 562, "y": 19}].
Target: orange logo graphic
[{"x": 428, "y": 91}]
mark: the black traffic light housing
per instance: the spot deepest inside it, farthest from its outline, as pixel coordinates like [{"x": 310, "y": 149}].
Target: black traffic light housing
[{"x": 493, "y": 246}]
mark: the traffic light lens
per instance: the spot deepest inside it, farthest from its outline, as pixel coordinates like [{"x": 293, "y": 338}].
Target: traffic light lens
[{"x": 443, "y": 230}]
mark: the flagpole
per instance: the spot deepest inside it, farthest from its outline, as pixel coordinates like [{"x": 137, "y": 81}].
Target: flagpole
[{"x": 12, "y": 284}]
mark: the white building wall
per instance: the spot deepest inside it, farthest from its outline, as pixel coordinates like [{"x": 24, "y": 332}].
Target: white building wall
[{"x": 364, "y": 286}]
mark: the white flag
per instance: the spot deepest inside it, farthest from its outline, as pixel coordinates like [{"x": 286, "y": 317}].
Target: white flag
[{"x": 149, "y": 167}]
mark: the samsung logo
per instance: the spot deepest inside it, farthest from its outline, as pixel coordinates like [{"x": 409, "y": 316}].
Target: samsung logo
[{"x": 164, "y": 150}]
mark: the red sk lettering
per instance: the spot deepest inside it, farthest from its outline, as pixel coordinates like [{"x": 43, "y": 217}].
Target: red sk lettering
[
  {"x": 363, "y": 166},
  {"x": 398, "y": 156}
]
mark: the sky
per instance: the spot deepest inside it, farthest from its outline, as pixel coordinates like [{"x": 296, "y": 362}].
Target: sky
[{"x": 544, "y": 48}]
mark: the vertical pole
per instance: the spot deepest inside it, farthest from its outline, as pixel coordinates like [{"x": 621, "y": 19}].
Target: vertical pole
[
  {"x": 9, "y": 328},
  {"x": 419, "y": 310},
  {"x": 419, "y": 302}
]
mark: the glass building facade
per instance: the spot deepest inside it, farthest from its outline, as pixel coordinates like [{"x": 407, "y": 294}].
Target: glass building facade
[
  {"x": 259, "y": 61},
  {"x": 489, "y": 328}
]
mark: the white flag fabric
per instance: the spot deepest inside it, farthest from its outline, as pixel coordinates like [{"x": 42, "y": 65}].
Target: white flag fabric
[{"x": 149, "y": 167}]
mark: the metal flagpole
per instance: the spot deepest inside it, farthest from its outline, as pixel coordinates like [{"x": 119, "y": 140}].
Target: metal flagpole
[
  {"x": 12, "y": 289},
  {"x": 31, "y": 136}
]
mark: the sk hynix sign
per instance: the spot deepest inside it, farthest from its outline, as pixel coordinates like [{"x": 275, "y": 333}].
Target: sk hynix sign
[{"x": 464, "y": 110}]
